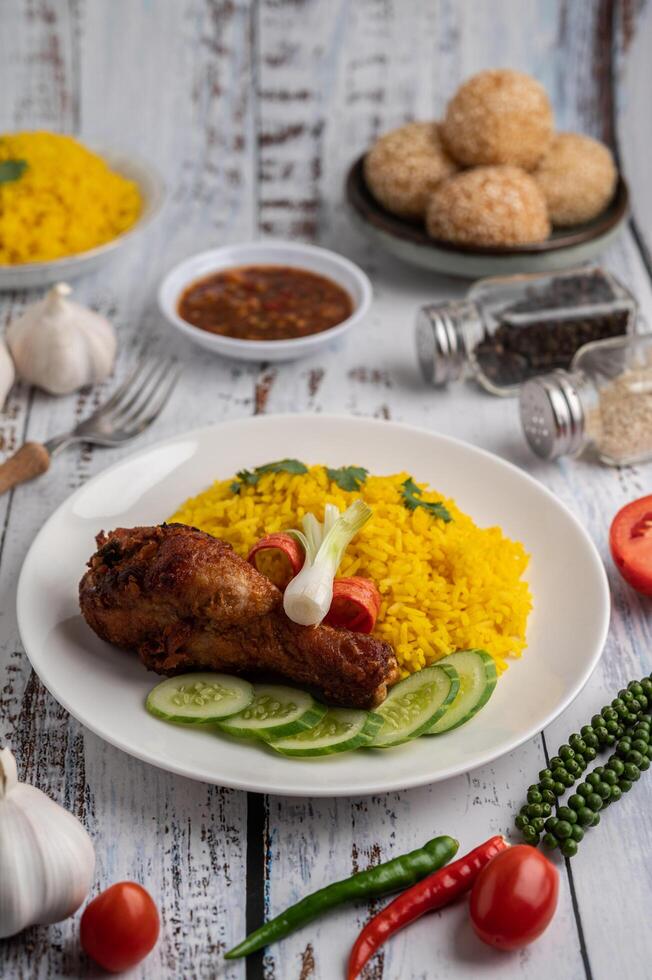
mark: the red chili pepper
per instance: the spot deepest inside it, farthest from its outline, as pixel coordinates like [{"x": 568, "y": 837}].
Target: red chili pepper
[
  {"x": 431, "y": 893},
  {"x": 288, "y": 546},
  {"x": 355, "y": 605}
]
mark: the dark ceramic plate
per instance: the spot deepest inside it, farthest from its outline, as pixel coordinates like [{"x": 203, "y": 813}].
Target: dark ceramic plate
[{"x": 408, "y": 239}]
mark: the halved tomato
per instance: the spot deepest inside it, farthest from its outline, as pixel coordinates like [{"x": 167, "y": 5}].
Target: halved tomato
[{"x": 630, "y": 540}]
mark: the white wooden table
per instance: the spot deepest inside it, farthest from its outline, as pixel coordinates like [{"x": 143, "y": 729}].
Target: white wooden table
[{"x": 252, "y": 111}]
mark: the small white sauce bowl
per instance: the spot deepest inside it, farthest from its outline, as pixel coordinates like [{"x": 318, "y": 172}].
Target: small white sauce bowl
[{"x": 309, "y": 257}]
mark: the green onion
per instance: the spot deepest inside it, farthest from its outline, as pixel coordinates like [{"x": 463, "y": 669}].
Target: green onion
[{"x": 309, "y": 595}]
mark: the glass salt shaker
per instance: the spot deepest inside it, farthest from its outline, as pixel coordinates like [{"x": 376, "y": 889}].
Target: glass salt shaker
[
  {"x": 603, "y": 403},
  {"x": 512, "y": 328}
]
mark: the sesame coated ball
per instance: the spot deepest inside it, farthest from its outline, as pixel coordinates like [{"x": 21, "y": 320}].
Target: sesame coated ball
[
  {"x": 488, "y": 206},
  {"x": 498, "y": 116},
  {"x": 405, "y": 165},
  {"x": 577, "y": 177}
]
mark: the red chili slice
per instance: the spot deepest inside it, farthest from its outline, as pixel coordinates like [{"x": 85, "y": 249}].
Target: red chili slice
[
  {"x": 355, "y": 605},
  {"x": 287, "y": 547}
]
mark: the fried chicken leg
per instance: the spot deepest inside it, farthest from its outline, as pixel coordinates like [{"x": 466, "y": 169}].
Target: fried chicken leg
[{"x": 185, "y": 601}]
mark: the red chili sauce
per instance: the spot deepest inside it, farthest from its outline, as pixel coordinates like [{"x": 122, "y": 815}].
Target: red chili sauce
[{"x": 265, "y": 302}]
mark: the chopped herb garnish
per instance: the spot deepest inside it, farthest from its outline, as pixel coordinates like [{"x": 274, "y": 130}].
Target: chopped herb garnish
[
  {"x": 12, "y": 170},
  {"x": 282, "y": 466},
  {"x": 249, "y": 478},
  {"x": 245, "y": 478},
  {"x": 411, "y": 494},
  {"x": 348, "y": 478}
]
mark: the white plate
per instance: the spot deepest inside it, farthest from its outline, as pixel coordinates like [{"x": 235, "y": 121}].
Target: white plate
[
  {"x": 105, "y": 688},
  {"x": 294, "y": 254},
  {"x": 29, "y": 275}
]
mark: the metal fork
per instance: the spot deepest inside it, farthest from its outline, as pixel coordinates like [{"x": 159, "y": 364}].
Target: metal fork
[{"x": 131, "y": 409}]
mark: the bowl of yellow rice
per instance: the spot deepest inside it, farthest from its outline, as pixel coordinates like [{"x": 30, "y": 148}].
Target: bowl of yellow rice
[{"x": 65, "y": 209}]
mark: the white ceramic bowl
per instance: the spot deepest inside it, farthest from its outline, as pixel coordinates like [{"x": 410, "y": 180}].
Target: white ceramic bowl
[
  {"x": 294, "y": 254},
  {"x": 409, "y": 241},
  {"x": 32, "y": 274}
]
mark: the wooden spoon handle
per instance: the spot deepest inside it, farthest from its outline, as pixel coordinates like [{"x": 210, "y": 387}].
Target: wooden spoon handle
[{"x": 29, "y": 461}]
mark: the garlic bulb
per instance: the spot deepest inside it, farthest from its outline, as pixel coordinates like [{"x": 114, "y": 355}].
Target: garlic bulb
[
  {"x": 59, "y": 345},
  {"x": 7, "y": 372},
  {"x": 46, "y": 856}
]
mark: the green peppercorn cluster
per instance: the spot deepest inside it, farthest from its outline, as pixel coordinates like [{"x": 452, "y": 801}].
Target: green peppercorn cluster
[{"x": 623, "y": 725}]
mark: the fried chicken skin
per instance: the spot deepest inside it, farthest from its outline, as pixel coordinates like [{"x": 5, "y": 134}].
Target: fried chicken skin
[{"x": 184, "y": 601}]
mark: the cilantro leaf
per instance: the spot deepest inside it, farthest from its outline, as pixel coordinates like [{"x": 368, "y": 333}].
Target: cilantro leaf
[
  {"x": 411, "y": 494},
  {"x": 12, "y": 170},
  {"x": 245, "y": 478},
  {"x": 249, "y": 478},
  {"x": 282, "y": 466},
  {"x": 348, "y": 478}
]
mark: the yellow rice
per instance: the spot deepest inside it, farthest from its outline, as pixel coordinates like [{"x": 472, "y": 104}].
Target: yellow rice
[
  {"x": 444, "y": 586},
  {"x": 67, "y": 200}
]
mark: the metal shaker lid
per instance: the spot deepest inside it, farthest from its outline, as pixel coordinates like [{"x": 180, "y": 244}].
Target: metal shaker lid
[
  {"x": 441, "y": 345},
  {"x": 552, "y": 414}
]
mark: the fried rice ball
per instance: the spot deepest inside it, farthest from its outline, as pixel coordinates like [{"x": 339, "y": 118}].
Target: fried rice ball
[
  {"x": 577, "y": 177},
  {"x": 404, "y": 166},
  {"x": 498, "y": 116},
  {"x": 488, "y": 206}
]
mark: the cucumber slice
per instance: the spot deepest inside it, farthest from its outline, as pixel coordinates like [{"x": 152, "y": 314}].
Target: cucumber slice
[
  {"x": 275, "y": 712},
  {"x": 340, "y": 730},
  {"x": 199, "y": 699},
  {"x": 477, "y": 672},
  {"x": 415, "y": 704}
]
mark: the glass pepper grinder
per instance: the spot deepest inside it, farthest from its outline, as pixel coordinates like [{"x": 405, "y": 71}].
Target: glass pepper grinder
[
  {"x": 603, "y": 403},
  {"x": 512, "y": 328}
]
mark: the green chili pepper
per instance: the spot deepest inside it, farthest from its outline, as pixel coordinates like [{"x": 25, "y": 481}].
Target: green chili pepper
[{"x": 394, "y": 875}]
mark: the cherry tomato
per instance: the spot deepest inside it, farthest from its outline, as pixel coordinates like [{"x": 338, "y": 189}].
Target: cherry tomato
[
  {"x": 630, "y": 539},
  {"x": 514, "y": 898},
  {"x": 120, "y": 927}
]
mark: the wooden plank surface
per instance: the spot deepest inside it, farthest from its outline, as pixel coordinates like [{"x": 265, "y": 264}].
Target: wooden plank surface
[{"x": 253, "y": 111}]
